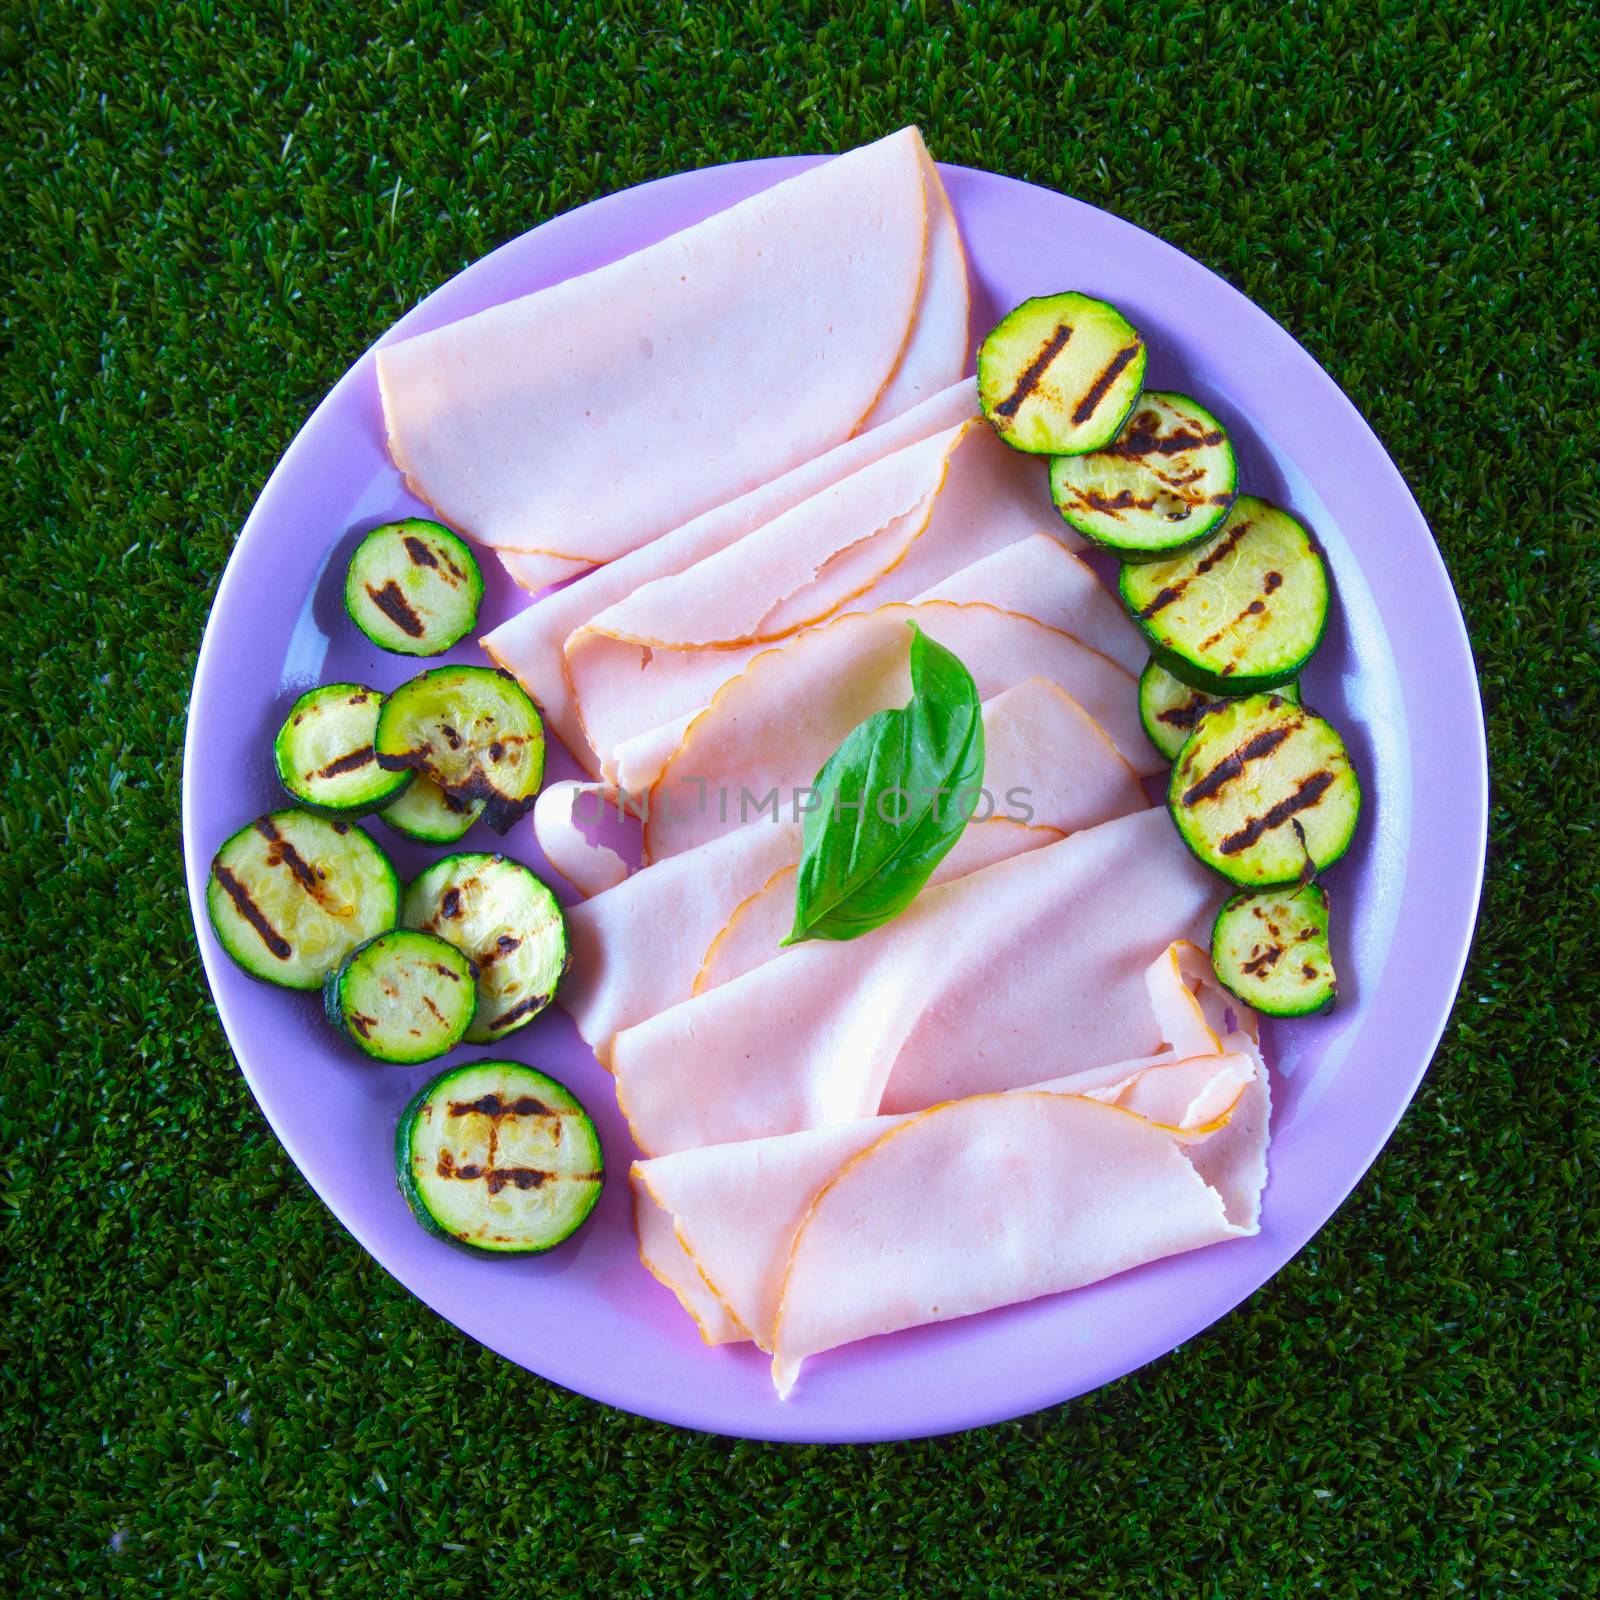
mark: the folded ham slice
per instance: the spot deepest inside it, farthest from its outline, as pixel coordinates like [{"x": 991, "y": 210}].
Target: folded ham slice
[
  {"x": 773, "y": 726},
  {"x": 1028, "y": 969},
  {"x": 1234, "y": 1159},
  {"x": 720, "y": 1220},
  {"x": 756, "y": 930},
  {"x": 535, "y": 571},
  {"x": 1045, "y": 756},
  {"x": 715, "y": 1224},
  {"x": 635, "y": 949},
  {"x": 666, "y": 647},
  {"x": 955, "y": 517},
  {"x": 935, "y": 352},
  {"x": 590, "y": 868},
  {"x": 1036, "y": 577},
  {"x": 531, "y": 644},
  {"x": 1086, "y": 973},
  {"x": 1033, "y": 578},
  {"x": 1196, "y": 1014},
  {"x": 981, "y": 1203},
  {"x": 662, "y": 1250},
  {"x": 750, "y": 343},
  {"x": 937, "y": 348}
]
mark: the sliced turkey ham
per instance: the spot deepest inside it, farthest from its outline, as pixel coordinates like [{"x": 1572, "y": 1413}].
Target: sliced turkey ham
[
  {"x": 1047, "y": 765},
  {"x": 639, "y": 947},
  {"x": 935, "y": 353},
  {"x": 663, "y": 1252},
  {"x": 1047, "y": 952},
  {"x": 716, "y": 1223},
  {"x": 589, "y": 867},
  {"x": 665, "y": 648},
  {"x": 595, "y": 415},
  {"x": 1084, "y": 972},
  {"x": 981, "y": 1203},
  {"x": 758, "y": 926},
  {"x": 1033, "y": 578},
  {"x": 1036, "y": 577},
  {"x": 535, "y": 571},
  {"x": 937, "y": 348},
  {"x": 773, "y": 726},
  {"x": 956, "y": 517},
  {"x": 1234, "y": 1159},
  {"x": 530, "y": 646},
  {"x": 734, "y": 1209},
  {"x": 720, "y": 1219}
]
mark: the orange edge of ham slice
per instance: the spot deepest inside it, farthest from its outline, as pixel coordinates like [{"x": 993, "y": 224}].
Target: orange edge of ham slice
[
  {"x": 473, "y": 389},
  {"x": 1192, "y": 1100},
  {"x": 532, "y": 645},
  {"x": 845, "y": 1282}
]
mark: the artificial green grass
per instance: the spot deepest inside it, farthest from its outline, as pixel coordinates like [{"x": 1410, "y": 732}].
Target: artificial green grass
[{"x": 207, "y": 1387}]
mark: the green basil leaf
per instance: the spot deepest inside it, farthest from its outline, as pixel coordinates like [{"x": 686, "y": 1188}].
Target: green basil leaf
[{"x": 893, "y": 799}]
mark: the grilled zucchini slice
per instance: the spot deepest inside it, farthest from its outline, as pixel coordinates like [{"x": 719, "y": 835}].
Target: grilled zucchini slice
[
  {"x": 1169, "y": 708},
  {"x": 1162, "y": 485},
  {"x": 506, "y": 922},
  {"x": 292, "y": 894},
  {"x": 324, "y": 752},
  {"x": 1242, "y": 612},
  {"x": 1263, "y": 791},
  {"x": 1058, "y": 375},
  {"x": 474, "y": 731},
  {"x": 498, "y": 1158},
  {"x": 403, "y": 997},
  {"x": 1270, "y": 948},
  {"x": 413, "y": 587},
  {"x": 424, "y": 812}
]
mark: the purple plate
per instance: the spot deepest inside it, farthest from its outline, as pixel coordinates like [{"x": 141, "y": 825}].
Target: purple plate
[{"x": 1395, "y": 673}]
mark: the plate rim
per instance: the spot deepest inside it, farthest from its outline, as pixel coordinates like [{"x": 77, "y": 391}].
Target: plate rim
[{"x": 789, "y": 1424}]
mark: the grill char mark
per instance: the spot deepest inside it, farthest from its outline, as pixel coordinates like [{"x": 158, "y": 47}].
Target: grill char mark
[
  {"x": 1307, "y": 793},
  {"x": 523, "y": 1008},
  {"x": 253, "y": 914},
  {"x": 421, "y": 555},
  {"x": 352, "y": 761},
  {"x": 498, "y": 1178},
  {"x": 284, "y": 854},
  {"x": 1254, "y": 609},
  {"x": 491, "y": 1105},
  {"x": 1122, "y": 500},
  {"x": 391, "y": 601},
  {"x": 1258, "y": 964},
  {"x": 504, "y": 944},
  {"x": 1184, "y": 716},
  {"x": 1234, "y": 763},
  {"x": 1137, "y": 443},
  {"x": 1108, "y": 376},
  {"x": 1035, "y": 371},
  {"x": 304, "y": 874},
  {"x": 1174, "y": 591},
  {"x": 500, "y": 809}
]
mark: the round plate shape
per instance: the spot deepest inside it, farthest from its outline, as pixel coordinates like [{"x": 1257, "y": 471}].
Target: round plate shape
[{"x": 1395, "y": 674}]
